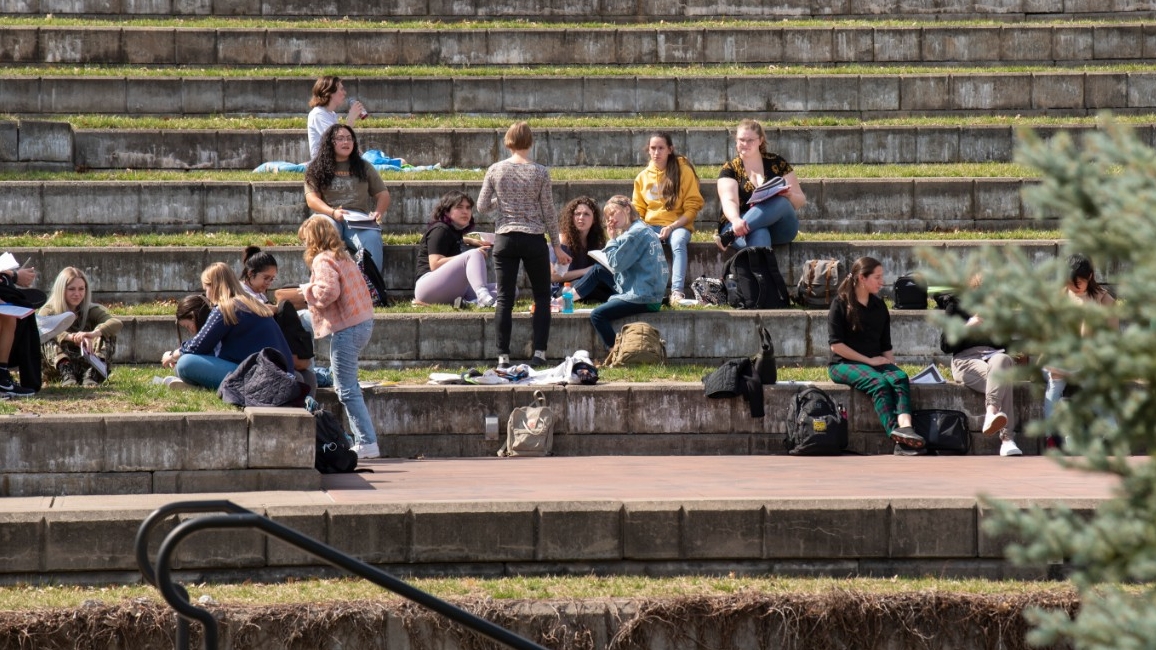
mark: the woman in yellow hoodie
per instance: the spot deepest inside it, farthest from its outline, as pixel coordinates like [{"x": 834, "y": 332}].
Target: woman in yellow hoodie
[{"x": 668, "y": 198}]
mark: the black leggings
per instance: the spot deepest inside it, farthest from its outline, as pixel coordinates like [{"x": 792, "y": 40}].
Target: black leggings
[{"x": 510, "y": 251}]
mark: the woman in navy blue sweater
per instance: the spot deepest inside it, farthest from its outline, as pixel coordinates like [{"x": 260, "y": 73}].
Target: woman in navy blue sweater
[{"x": 238, "y": 325}]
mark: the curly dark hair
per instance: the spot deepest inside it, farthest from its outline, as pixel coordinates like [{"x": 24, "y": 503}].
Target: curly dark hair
[
  {"x": 449, "y": 201},
  {"x": 321, "y": 171},
  {"x": 595, "y": 239}
]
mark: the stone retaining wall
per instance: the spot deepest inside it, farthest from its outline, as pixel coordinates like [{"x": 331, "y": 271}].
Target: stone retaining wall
[
  {"x": 1060, "y": 45},
  {"x": 621, "y": 419},
  {"x": 48, "y": 145},
  {"x": 586, "y": 10},
  {"x": 833, "y": 205},
  {"x": 463, "y": 339},
  {"x": 769, "y": 97},
  {"x": 134, "y": 275},
  {"x": 145, "y": 453}
]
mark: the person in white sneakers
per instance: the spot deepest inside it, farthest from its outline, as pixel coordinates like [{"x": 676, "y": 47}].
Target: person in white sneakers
[
  {"x": 979, "y": 364},
  {"x": 452, "y": 265}
]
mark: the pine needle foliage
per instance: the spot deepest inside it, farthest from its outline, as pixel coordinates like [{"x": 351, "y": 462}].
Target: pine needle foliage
[{"x": 1103, "y": 188}]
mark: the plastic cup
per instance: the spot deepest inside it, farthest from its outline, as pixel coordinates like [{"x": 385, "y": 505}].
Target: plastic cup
[{"x": 560, "y": 269}]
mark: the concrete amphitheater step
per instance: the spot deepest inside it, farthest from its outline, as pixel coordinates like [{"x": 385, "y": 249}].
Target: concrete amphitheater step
[
  {"x": 1042, "y": 43},
  {"x": 463, "y": 339},
  {"x": 862, "y": 96},
  {"x": 48, "y": 145},
  {"x": 834, "y": 205},
  {"x": 586, "y": 10},
  {"x": 145, "y": 274}
]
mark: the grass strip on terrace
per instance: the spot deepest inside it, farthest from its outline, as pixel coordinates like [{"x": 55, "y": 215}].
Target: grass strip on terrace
[
  {"x": 130, "y": 389},
  {"x": 35, "y": 597},
  {"x": 652, "y": 122},
  {"x": 328, "y": 24},
  {"x": 705, "y": 170},
  {"x": 439, "y": 71},
  {"x": 238, "y": 240}
]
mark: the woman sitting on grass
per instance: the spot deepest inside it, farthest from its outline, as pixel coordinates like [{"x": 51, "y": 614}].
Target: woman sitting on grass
[
  {"x": 859, "y": 332},
  {"x": 448, "y": 273},
  {"x": 582, "y": 232},
  {"x": 238, "y": 325},
  {"x": 93, "y": 332},
  {"x": 640, "y": 275}
]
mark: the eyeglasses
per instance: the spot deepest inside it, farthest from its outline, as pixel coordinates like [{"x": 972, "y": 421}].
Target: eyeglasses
[{"x": 342, "y": 138}]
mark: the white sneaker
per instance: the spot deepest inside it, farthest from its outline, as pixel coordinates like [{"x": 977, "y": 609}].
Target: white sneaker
[
  {"x": 52, "y": 326},
  {"x": 1010, "y": 448},
  {"x": 993, "y": 422},
  {"x": 486, "y": 301},
  {"x": 367, "y": 451},
  {"x": 676, "y": 297}
]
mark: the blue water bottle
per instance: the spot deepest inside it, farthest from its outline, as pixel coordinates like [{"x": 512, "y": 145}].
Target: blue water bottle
[{"x": 567, "y": 299}]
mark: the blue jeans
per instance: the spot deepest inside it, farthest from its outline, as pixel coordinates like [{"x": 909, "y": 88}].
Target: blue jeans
[
  {"x": 204, "y": 370},
  {"x": 679, "y": 238},
  {"x": 1054, "y": 392},
  {"x": 604, "y": 315},
  {"x": 344, "y": 349},
  {"x": 597, "y": 285},
  {"x": 366, "y": 238},
  {"x": 773, "y": 223}
]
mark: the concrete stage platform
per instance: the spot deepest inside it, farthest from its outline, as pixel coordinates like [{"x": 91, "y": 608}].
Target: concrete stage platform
[{"x": 646, "y": 515}]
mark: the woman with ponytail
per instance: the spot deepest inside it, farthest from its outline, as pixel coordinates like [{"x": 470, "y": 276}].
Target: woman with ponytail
[
  {"x": 667, "y": 196},
  {"x": 859, "y": 333}
]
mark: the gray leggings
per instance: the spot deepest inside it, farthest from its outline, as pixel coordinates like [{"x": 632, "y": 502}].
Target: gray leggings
[{"x": 460, "y": 277}]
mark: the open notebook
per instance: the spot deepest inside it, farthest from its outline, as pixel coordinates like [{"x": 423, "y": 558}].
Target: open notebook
[{"x": 600, "y": 257}]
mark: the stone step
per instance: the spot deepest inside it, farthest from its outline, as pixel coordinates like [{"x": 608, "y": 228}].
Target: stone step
[
  {"x": 1039, "y": 43},
  {"x": 834, "y": 205},
  {"x": 601, "y": 10},
  {"x": 144, "y": 274},
  {"x": 463, "y": 339},
  {"x": 39, "y": 144},
  {"x": 973, "y": 92}
]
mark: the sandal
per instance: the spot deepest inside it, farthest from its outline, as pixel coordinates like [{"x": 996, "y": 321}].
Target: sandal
[{"x": 906, "y": 436}]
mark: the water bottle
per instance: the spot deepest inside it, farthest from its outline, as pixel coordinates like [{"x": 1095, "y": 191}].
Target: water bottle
[{"x": 567, "y": 299}]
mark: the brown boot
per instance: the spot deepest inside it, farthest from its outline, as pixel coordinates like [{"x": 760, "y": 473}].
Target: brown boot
[{"x": 67, "y": 374}]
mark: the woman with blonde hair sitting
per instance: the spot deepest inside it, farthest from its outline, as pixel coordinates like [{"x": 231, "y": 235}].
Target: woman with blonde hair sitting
[
  {"x": 94, "y": 331},
  {"x": 238, "y": 325},
  {"x": 340, "y": 307}
]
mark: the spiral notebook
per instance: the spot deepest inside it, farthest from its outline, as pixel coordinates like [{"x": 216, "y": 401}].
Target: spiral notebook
[{"x": 772, "y": 188}]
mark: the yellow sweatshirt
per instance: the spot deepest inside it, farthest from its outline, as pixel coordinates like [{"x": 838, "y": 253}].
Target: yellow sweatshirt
[{"x": 650, "y": 204}]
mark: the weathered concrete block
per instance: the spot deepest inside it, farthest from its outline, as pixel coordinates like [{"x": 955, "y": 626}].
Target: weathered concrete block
[
  {"x": 543, "y": 94},
  {"x": 933, "y": 528},
  {"x": 152, "y": 96},
  {"x": 472, "y": 532},
  {"x": 80, "y": 45},
  {"x": 679, "y": 46},
  {"x": 144, "y": 442},
  {"x": 220, "y": 548},
  {"x": 219, "y": 441},
  {"x": 925, "y": 93},
  {"x": 74, "y": 94},
  {"x": 836, "y": 528},
  {"x": 20, "y": 95},
  {"x": 9, "y": 141},
  {"x": 597, "y": 409},
  {"x": 937, "y": 144},
  {"x": 478, "y": 95},
  {"x": 899, "y": 44},
  {"x": 21, "y": 534},
  {"x": 879, "y": 93},
  {"x": 808, "y": 45},
  {"x": 992, "y": 92},
  {"x": 1140, "y": 88},
  {"x": 579, "y": 531},
  {"x": 723, "y": 530},
  {"x": 1073, "y": 43},
  {"x": 374, "y": 533},
  {"x": 867, "y": 199},
  {"x": 280, "y": 437},
  {"x": 1059, "y": 90},
  {"x": 591, "y": 46},
  {"x": 942, "y": 200},
  {"x": 1106, "y": 90},
  {"x": 202, "y": 96},
  {"x": 41, "y": 141},
  {"x": 701, "y": 93},
  {"x": 986, "y": 144},
  {"x": 316, "y": 47},
  {"x": 616, "y": 95},
  {"x": 998, "y": 198},
  {"x": 19, "y": 45},
  {"x": 963, "y": 44},
  {"x": 77, "y": 444},
  {"x": 833, "y": 93},
  {"x": 652, "y": 531},
  {"x": 742, "y": 45},
  {"x": 309, "y": 520},
  {"x": 1023, "y": 43},
  {"x": 241, "y": 94},
  {"x": 241, "y": 46},
  {"x": 153, "y": 46},
  {"x": 65, "y": 483},
  {"x": 277, "y": 204},
  {"x": 852, "y": 45},
  {"x": 695, "y": 416},
  {"x": 92, "y": 540},
  {"x": 205, "y": 481},
  {"x": 1116, "y": 42},
  {"x": 888, "y": 145}
]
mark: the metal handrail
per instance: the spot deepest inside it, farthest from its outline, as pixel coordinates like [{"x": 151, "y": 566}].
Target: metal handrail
[{"x": 241, "y": 518}]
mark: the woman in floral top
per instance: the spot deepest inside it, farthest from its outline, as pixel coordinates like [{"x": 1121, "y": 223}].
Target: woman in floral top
[{"x": 772, "y": 222}]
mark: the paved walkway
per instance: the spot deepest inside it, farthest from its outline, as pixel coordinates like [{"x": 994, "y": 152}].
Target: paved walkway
[{"x": 711, "y": 477}]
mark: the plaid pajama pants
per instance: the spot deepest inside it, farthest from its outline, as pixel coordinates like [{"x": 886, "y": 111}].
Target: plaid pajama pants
[{"x": 886, "y": 385}]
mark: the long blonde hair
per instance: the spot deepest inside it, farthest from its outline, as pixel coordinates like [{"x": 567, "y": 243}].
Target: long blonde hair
[
  {"x": 225, "y": 292},
  {"x": 319, "y": 236},
  {"x": 57, "y": 302}
]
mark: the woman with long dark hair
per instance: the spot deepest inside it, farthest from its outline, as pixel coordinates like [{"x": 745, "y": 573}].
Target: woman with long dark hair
[
  {"x": 582, "y": 232},
  {"x": 859, "y": 333},
  {"x": 448, "y": 273},
  {"x": 348, "y": 191},
  {"x": 667, "y": 196}
]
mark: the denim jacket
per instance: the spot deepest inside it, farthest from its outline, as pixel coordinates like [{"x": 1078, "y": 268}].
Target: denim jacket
[{"x": 640, "y": 271}]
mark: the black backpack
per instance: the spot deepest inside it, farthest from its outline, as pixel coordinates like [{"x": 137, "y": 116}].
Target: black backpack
[
  {"x": 334, "y": 455},
  {"x": 910, "y": 292},
  {"x": 815, "y": 425},
  {"x": 818, "y": 284},
  {"x": 944, "y": 430},
  {"x": 753, "y": 280}
]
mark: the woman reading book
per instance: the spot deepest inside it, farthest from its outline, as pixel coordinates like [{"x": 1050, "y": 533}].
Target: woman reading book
[
  {"x": 772, "y": 221},
  {"x": 82, "y": 353}
]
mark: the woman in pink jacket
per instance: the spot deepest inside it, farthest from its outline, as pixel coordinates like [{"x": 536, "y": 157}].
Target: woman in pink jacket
[{"x": 340, "y": 305}]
